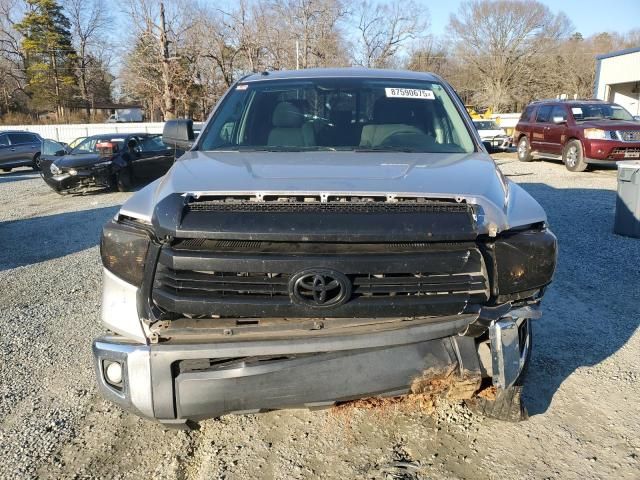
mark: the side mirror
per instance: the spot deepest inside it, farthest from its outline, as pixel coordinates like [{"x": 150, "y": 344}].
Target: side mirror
[
  {"x": 60, "y": 153},
  {"x": 636, "y": 118},
  {"x": 559, "y": 120},
  {"x": 178, "y": 134}
]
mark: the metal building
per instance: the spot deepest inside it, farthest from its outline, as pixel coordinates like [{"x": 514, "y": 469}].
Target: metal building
[{"x": 618, "y": 78}]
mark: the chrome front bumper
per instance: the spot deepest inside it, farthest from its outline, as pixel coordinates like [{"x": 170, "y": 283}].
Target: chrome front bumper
[{"x": 308, "y": 372}]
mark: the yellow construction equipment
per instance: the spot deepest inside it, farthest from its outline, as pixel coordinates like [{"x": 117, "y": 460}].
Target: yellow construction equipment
[{"x": 476, "y": 115}]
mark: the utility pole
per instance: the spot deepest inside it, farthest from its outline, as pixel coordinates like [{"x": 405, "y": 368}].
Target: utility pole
[{"x": 297, "y": 55}]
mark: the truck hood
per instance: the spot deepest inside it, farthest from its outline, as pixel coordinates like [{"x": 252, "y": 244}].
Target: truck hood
[{"x": 473, "y": 178}]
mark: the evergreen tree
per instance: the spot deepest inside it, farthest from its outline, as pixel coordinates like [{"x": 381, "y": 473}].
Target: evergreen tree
[{"x": 49, "y": 54}]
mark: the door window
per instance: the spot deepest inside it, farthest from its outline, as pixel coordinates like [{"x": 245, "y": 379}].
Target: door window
[
  {"x": 544, "y": 114},
  {"x": 51, "y": 148},
  {"x": 559, "y": 112},
  {"x": 526, "y": 115},
  {"x": 4, "y": 141},
  {"x": 21, "y": 138},
  {"x": 152, "y": 143}
]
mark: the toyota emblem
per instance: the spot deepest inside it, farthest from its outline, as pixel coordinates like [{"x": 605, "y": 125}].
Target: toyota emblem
[{"x": 320, "y": 288}]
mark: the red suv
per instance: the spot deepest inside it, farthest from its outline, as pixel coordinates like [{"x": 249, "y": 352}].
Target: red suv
[{"x": 580, "y": 132}]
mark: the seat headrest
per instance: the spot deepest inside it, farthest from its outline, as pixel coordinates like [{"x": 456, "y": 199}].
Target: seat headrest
[
  {"x": 398, "y": 110},
  {"x": 287, "y": 115}
]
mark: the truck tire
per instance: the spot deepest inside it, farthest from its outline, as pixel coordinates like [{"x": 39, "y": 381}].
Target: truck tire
[
  {"x": 524, "y": 150},
  {"x": 573, "y": 156}
]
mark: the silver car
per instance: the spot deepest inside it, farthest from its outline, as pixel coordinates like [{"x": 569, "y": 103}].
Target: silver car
[
  {"x": 19, "y": 149},
  {"x": 330, "y": 235}
]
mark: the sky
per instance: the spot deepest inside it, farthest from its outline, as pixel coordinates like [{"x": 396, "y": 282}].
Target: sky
[{"x": 588, "y": 16}]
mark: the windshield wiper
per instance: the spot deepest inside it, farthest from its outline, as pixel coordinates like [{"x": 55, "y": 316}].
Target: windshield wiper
[
  {"x": 273, "y": 149},
  {"x": 386, "y": 149}
]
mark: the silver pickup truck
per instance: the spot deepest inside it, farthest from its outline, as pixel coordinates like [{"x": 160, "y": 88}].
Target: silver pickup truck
[{"x": 330, "y": 235}]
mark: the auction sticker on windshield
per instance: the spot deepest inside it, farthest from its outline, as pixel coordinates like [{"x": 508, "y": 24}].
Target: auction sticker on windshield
[{"x": 409, "y": 93}]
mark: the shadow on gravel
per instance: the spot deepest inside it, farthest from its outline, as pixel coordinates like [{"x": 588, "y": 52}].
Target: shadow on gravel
[
  {"x": 591, "y": 309},
  {"x": 34, "y": 240},
  {"x": 17, "y": 176}
]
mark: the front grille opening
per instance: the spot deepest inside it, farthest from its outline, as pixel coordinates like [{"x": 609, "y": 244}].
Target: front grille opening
[
  {"x": 266, "y": 247},
  {"x": 365, "y": 285},
  {"x": 381, "y": 280},
  {"x": 328, "y": 203}
]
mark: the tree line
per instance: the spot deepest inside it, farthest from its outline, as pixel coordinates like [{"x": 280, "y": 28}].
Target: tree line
[{"x": 177, "y": 57}]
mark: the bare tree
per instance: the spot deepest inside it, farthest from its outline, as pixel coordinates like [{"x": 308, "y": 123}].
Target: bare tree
[
  {"x": 499, "y": 38},
  {"x": 429, "y": 55},
  {"x": 385, "y": 29},
  {"x": 89, "y": 22},
  {"x": 245, "y": 30},
  {"x": 305, "y": 33},
  {"x": 160, "y": 28},
  {"x": 12, "y": 58}
]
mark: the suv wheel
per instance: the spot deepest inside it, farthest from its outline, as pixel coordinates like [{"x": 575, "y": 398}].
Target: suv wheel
[
  {"x": 524, "y": 150},
  {"x": 573, "y": 157},
  {"x": 36, "y": 162}
]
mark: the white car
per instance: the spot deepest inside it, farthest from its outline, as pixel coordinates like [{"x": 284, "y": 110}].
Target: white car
[{"x": 492, "y": 135}]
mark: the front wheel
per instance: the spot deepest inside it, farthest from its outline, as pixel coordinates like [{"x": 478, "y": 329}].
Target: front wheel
[
  {"x": 573, "y": 157},
  {"x": 123, "y": 180},
  {"x": 36, "y": 162},
  {"x": 524, "y": 150}
]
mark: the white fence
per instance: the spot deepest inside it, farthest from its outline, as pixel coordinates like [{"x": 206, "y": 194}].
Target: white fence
[{"x": 67, "y": 133}]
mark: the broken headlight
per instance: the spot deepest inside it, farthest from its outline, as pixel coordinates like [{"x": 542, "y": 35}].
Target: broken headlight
[
  {"x": 123, "y": 250},
  {"x": 523, "y": 262}
]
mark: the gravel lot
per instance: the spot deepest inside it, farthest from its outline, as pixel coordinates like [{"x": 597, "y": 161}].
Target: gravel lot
[{"x": 582, "y": 392}]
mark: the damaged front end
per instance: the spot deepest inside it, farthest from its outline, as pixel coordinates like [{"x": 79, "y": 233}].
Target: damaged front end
[{"x": 227, "y": 305}]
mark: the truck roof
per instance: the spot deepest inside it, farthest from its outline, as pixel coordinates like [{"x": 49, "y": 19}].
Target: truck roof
[{"x": 340, "y": 73}]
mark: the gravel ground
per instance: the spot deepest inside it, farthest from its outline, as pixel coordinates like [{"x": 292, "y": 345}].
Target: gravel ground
[{"x": 582, "y": 391}]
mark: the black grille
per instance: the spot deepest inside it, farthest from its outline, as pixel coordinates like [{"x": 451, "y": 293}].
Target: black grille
[
  {"x": 414, "y": 282},
  {"x": 190, "y": 283},
  {"x": 329, "y": 207}
]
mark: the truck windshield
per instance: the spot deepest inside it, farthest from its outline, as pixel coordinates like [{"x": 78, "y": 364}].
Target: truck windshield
[
  {"x": 338, "y": 114},
  {"x": 604, "y": 111}
]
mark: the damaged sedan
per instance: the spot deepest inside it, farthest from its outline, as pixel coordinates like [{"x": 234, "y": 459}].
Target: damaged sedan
[
  {"x": 114, "y": 161},
  {"x": 330, "y": 235}
]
